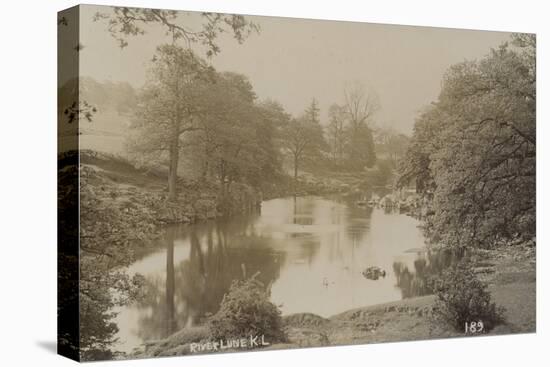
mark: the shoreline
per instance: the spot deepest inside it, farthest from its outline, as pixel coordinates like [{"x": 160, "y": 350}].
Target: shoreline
[{"x": 510, "y": 278}]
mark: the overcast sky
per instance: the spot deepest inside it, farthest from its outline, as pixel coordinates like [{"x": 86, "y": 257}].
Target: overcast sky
[{"x": 294, "y": 60}]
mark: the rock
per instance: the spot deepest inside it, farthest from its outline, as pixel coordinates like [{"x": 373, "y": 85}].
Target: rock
[{"x": 373, "y": 273}]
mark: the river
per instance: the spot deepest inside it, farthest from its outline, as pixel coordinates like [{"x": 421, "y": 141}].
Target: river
[{"x": 311, "y": 250}]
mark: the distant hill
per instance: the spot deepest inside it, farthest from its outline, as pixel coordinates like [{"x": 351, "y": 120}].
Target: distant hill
[
  {"x": 114, "y": 103},
  {"x": 117, "y": 96},
  {"x": 120, "y": 97}
]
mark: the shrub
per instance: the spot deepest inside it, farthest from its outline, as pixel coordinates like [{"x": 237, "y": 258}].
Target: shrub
[
  {"x": 462, "y": 298},
  {"x": 247, "y": 311}
]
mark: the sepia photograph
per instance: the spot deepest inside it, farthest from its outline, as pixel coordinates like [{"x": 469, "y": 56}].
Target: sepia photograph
[{"x": 231, "y": 183}]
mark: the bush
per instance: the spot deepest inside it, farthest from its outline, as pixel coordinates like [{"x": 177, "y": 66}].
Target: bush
[
  {"x": 247, "y": 311},
  {"x": 462, "y": 298}
]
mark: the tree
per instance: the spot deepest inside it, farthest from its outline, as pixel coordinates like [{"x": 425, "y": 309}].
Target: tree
[
  {"x": 336, "y": 132},
  {"x": 301, "y": 139},
  {"x": 360, "y": 106},
  {"x": 237, "y": 136},
  {"x": 360, "y": 149},
  {"x": 312, "y": 112},
  {"x": 272, "y": 118},
  {"x": 476, "y": 148},
  {"x": 415, "y": 167},
  {"x": 124, "y": 22},
  {"x": 228, "y": 134},
  {"x": 169, "y": 106}
]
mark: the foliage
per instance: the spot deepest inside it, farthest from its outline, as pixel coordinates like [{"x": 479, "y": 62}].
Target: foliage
[
  {"x": 236, "y": 136},
  {"x": 361, "y": 152},
  {"x": 462, "y": 298},
  {"x": 302, "y": 140},
  {"x": 208, "y": 122},
  {"x": 473, "y": 151},
  {"x": 415, "y": 167},
  {"x": 68, "y": 254},
  {"x": 247, "y": 311},
  {"x": 124, "y": 22},
  {"x": 168, "y": 106},
  {"x": 124, "y": 227},
  {"x": 77, "y": 111}
]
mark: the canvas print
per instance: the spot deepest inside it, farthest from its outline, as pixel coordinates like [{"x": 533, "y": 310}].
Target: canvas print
[{"x": 232, "y": 183}]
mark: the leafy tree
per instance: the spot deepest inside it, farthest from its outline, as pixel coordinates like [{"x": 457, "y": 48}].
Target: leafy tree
[
  {"x": 125, "y": 22},
  {"x": 361, "y": 152},
  {"x": 415, "y": 167},
  {"x": 473, "y": 151},
  {"x": 230, "y": 122},
  {"x": 302, "y": 139},
  {"x": 169, "y": 106},
  {"x": 236, "y": 141},
  {"x": 271, "y": 119}
]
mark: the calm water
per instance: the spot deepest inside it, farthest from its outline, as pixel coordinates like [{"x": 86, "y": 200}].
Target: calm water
[{"x": 310, "y": 249}]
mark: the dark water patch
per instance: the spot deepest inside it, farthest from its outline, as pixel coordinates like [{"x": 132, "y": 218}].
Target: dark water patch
[{"x": 417, "y": 280}]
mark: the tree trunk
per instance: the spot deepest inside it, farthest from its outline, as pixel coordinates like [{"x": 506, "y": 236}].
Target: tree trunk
[
  {"x": 173, "y": 169},
  {"x": 295, "y": 174},
  {"x": 171, "y": 324}
]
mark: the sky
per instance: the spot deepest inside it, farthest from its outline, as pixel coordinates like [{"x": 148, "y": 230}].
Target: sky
[{"x": 294, "y": 60}]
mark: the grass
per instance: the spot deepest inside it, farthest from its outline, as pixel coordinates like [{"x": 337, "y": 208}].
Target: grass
[{"x": 120, "y": 170}]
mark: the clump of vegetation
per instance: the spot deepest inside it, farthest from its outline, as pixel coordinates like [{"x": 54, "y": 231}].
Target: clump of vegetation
[
  {"x": 247, "y": 311},
  {"x": 462, "y": 299},
  {"x": 381, "y": 175}
]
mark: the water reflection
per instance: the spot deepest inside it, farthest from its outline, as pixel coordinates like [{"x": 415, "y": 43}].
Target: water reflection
[
  {"x": 416, "y": 282},
  {"x": 193, "y": 286},
  {"x": 309, "y": 250}
]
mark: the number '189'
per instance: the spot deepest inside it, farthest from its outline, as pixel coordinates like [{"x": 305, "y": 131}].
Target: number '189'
[{"x": 473, "y": 327}]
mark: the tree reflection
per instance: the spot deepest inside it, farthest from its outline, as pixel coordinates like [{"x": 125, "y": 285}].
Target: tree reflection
[
  {"x": 171, "y": 324},
  {"x": 417, "y": 283},
  {"x": 357, "y": 229},
  {"x": 194, "y": 288}
]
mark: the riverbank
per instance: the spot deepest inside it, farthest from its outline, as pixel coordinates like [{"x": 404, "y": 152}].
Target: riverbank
[
  {"x": 138, "y": 196},
  {"x": 126, "y": 187},
  {"x": 142, "y": 192},
  {"x": 510, "y": 274}
]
